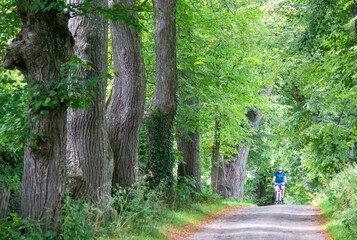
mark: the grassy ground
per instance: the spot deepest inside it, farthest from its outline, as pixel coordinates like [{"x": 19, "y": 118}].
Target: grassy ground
[
  {"x": 191, "y": 215},
  {"x": 335, "y": 226}
]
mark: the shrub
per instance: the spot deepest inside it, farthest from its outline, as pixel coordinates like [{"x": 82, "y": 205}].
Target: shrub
[
  {"x": 138, "y": 208},
  {"x": 75, "y": 225},
  {"x": 340, "y": 203}
]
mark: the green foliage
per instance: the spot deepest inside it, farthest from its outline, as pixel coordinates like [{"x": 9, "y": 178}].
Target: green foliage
[
  {"x": 339, "y": 204},
  {"x": 143, "y": 150},
  {"x": 71, "y": 90},
  {"x": 128, "y": 15},
  {"x": 138, "y": 208},
  {"x": 74, "y": 223}
]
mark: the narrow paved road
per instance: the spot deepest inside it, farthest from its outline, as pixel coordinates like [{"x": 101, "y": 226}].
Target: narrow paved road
[{"x": 284, "y": 222}]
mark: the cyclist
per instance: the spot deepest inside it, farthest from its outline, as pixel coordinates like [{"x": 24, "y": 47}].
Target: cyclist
[{"x": 280, "y": 178}]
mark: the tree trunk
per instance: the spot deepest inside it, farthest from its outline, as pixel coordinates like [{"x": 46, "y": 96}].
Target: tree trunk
[
  {"x": 350, "y": 156},
  {"x": 218, "y": 175},
  {"x": 126, "y": 106},
  {"x": 4, "y": 203},
  {"x": 87, "y": 163},
  {"x": 354, "y": 13},
  {"x": 236, "y": 172},
  {"x": 237, "y": 168},
  {"x": 188, "y": 144},
  {"x": 39, "y": 51},
  {"x": 163, "y": 109}
]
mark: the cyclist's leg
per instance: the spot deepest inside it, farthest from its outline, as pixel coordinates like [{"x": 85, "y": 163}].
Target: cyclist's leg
[
  {"x": 282, "y": 191},
  {"x": 276, "y": 192}
]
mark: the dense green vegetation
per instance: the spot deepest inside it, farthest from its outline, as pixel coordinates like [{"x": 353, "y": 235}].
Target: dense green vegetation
[
  {"x": 339, "y": 205},
  {"x": 228, "y": 52}
]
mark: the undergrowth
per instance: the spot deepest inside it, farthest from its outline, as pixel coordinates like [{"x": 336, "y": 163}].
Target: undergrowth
[
  {"x": 339, "y": 204},
  {"x": 135, "y": 213}
]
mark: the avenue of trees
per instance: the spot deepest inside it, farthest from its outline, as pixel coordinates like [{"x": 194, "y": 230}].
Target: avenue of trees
[{"x": 97, "y": 96}]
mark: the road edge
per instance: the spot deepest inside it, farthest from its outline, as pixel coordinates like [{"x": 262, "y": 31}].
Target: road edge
[
  {"x": 321, "y": 221},
  {"x": 185, "y": 231}
]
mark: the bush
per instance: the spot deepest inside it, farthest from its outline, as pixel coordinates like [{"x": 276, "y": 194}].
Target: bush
[
  {"x": 75, "y": 225},
  {"x": 139, "y": 208},
  {"x": 340, "y": 204}
]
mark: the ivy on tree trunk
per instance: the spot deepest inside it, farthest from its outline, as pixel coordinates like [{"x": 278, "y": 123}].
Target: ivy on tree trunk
[{"x": 163, "y": 110}]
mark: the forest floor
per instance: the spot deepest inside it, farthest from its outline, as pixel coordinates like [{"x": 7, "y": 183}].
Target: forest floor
[{"x": 289, "y": 222}]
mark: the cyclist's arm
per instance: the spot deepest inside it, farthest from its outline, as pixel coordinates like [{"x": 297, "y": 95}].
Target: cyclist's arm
[
  {"x": 274, "y": 179},
  {"x": 285, "y": 179}
]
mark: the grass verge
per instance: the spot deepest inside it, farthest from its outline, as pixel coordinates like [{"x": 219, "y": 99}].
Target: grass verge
[
  {"x": 339, "y": 204},
  {"x": 179, "y": 218},
  {"x": 335, "y": 226}
]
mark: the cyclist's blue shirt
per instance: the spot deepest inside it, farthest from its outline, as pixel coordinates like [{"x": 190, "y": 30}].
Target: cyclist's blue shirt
[{"x": 279, "y": 177}]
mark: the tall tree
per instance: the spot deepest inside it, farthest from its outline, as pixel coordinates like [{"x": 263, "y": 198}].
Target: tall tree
[
  {"x": 39, "y": 51},
  {"x": 87, "y": 163},
  {"x": 236, "y": 168},
  {"x": 188, "y": 144},
  {"x": 163, "y": 109},
  {"x": 127, "y": 101},
  {"x": 218, "y": 175}
]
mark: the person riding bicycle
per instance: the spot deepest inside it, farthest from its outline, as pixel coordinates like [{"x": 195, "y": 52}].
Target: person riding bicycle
[{"x": 280, "y": 178}]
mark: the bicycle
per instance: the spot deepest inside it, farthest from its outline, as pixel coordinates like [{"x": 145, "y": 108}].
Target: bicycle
[{"x": 278, "y": 193}]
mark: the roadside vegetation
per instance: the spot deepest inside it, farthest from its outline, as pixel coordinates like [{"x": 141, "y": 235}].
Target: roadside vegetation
[
  {"x": 134, "y": 214},
  {"x": 339, "y": 204}
]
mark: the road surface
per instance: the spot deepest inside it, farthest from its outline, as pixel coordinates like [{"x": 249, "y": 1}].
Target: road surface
[{"x": 284, "y": 222}]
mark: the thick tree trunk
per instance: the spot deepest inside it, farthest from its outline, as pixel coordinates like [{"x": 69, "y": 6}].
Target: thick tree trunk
[
  {"x": 236, "y": 172},
  {"x": 163, "y": 109},
  {"x": 39, "y": 51},
  {"x": 237, "y": 168},
  {"x": 126, "y": 106},
  {"x": 218, "y": 172},
  {"x": 87, "y": 164},
  {"x": 188, "y": 144}
]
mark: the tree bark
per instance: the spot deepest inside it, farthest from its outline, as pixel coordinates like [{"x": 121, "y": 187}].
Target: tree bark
[
  {"x": 236, "y": 172},
  {"x": 188, "y": 144},
  {"x": 126, "y": 106},
  {"x": 218, "y": 173},
  {"x": 87, "y": 163},
  {"x": 236, "y": 169},
  {"x": 39, "y": 51},
  {"x": 354, "y": 13},
  {"x": 163, "y": 109},
  {"x": 4, "y": 203},
  {"x": 350, "y": 156}
]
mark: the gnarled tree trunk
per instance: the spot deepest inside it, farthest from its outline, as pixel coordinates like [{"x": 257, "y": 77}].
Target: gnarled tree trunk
[
  {"x": 39, "y": 51},
  {"x": 87, "y": 163},
  {"x": 163, "y": 109},
  {"x": 127, "y": 101},
  {"x": 236, "y": 169},
  {"x": 236, "y": 172}
]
